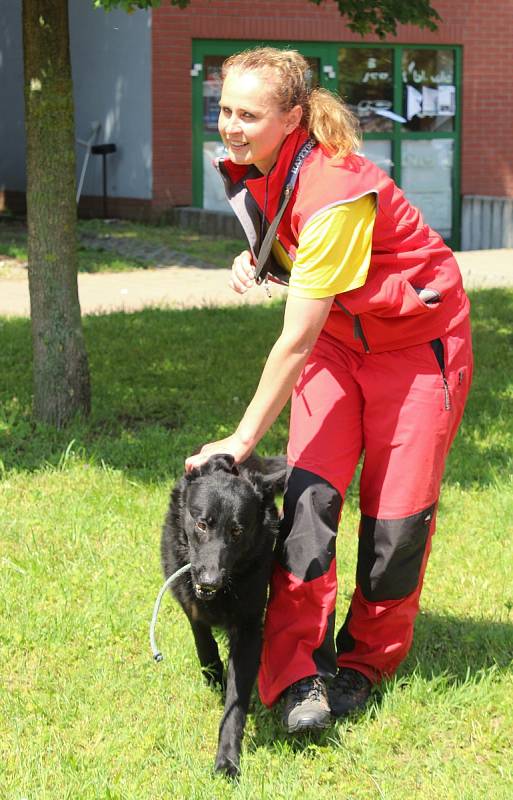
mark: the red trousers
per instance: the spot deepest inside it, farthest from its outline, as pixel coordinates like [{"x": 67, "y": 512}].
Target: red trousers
[{"x": 402, "y": 410}]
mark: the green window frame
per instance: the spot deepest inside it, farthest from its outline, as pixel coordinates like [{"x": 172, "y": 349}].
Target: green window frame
[{"x": 327, "y": 54}]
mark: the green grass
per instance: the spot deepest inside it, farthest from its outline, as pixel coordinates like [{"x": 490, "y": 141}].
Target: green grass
[
  {"x": 84, "y": 711},
  {"x": 218, "y": 251}
]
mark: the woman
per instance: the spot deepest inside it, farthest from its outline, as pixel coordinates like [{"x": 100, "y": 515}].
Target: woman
[{"x": 375, "y": 353}]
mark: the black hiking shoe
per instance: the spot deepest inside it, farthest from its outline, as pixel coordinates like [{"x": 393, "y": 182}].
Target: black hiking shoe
[
  {"x": 306, "y": 705},
  {"x": 349, "y": 691}
]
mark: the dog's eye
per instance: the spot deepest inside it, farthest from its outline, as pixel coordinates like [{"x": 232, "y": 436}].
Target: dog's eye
[
  {"x": 201, "y": 526},
  {"x": 236, "y": 531}
]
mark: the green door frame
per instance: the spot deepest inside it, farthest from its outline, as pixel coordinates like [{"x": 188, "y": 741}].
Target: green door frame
[{"x": 327, "y": 54}]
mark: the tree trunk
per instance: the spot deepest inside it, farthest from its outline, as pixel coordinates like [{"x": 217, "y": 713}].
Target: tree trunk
[{"x": 61, "y": 372}]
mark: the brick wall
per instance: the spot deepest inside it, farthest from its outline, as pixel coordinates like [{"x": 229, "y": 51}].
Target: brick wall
[{"x": 485, "y": 30}]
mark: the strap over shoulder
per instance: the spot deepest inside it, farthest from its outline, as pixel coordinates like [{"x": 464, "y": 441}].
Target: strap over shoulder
[{"x": 286, "y": 194}]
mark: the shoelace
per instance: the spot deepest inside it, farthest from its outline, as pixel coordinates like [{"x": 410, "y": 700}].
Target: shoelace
[{"x": 308, "y": 688}]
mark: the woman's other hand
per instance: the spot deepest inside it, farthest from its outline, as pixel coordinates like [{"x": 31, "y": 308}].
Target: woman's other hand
[{"x": 243, "y": 273}]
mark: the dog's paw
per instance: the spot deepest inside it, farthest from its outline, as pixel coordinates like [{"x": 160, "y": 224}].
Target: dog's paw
[
  {"x": 227, "y": 766},
  {"x": 214, "y": 677}
]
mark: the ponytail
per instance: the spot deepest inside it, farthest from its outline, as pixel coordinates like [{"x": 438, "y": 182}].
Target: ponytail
[
  {"x": 325, "y": 115},
  {"x": 332, "y": 123}
]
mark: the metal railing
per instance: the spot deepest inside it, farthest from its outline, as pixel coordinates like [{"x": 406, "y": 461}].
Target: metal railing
[{"x": 486, "y": 222}]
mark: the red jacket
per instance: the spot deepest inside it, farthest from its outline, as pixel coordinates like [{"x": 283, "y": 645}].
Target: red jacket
[{"x": 409, "y": 260}]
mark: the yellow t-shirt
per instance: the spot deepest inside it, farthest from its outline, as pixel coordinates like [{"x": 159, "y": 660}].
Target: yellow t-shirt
[{"x": 334, "y": 250}]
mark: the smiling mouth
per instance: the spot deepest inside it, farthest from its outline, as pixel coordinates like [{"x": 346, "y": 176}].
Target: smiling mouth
[{"x": 237, "y": 145}]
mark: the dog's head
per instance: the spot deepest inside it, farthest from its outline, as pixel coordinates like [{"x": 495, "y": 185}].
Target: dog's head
[{"x": 224, "y": 510}]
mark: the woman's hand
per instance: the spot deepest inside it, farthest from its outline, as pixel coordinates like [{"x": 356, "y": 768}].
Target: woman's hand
[
  {"x": 243, "y": 273},
  {"x": 233, "y": 445}
]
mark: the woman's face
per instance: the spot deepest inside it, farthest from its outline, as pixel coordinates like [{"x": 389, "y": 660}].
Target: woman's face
[{"x": 252, "y": 126}]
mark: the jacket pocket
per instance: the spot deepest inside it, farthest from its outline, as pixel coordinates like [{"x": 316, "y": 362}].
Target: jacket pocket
[{"x": 392, "y": 297}]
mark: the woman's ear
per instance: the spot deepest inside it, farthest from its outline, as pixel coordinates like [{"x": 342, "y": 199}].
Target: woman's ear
[{"x": 293, "y": 118}]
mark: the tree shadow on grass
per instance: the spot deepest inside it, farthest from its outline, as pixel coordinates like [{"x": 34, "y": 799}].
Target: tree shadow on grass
[{"x": 164, "y": 381}]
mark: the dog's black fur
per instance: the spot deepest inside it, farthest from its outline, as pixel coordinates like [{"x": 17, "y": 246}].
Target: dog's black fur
[{"x": 223, "y": 519}]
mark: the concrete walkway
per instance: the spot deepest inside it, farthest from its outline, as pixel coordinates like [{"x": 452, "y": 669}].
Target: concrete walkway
[{"x": 183, "y": 285}]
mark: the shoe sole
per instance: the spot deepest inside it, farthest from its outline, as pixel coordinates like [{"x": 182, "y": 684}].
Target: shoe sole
[{"x": 306, "y": 725}]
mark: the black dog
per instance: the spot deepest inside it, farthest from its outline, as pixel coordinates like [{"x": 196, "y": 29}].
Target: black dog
[{"x": 223, "y": 520}]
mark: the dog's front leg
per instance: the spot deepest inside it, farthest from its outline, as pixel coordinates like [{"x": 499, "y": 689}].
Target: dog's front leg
[
  {"x": 244, "y": 659},
  {"x": 208, "y": 653}
]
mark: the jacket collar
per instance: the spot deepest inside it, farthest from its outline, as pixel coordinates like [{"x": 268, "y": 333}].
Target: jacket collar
[{"x": 271, "y": 184}]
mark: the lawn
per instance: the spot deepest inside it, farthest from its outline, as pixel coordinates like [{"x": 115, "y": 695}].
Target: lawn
[{"x": 84, "y": 711}]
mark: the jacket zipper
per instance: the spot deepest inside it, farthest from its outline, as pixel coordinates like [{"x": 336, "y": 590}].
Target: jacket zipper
[
  {"x": 359, "y": 334},
  {"x": 357, "y": 325}
]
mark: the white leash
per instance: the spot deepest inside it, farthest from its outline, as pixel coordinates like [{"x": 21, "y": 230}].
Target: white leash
[{"x": 157, "y": 655}]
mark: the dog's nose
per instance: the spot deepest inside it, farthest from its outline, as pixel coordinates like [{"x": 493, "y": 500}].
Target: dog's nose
[
  {"x": 210, "y": 578},
  {"x": 211, "y": 584},
  {"x": 208, "y": 583}
]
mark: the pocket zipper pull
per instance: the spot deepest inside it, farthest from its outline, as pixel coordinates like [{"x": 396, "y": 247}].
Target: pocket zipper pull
[{"x": 447, "y": 395}]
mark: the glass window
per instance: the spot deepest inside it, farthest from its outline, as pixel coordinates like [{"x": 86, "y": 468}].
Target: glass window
[
  {"x": 313, "y": 75},
  {"x": 380, "y": 152},
  {"x": 214, "y": 197},
  {"x": 366, "y": 84},
  {"x": 429, "y": 93},
  {"x": 211, "y": 91},
  {"x": 426, "y": 179}
]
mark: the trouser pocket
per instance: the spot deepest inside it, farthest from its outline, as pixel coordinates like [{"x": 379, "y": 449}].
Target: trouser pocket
[{"x": 438, "y": 349}]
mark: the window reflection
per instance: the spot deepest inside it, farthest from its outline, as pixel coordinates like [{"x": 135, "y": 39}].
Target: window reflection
[
  {"x": 429, "y": 93},
  {"x": 313, "y": 74},
  {"x": 214, "y": 196},
  {"x": 366, "y": 84},
  {"x": 211, "y": 91},
  {"x": 380, "y": 152},
  {"x": 426, "y": 172}
]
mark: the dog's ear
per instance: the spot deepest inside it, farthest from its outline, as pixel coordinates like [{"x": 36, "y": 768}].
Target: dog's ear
[
  {"x": 263, "y": 488},
  {"x": 275, "y": 480},
  {"x": 191, "y": 476},
  {"x": 224, "y": 462}
]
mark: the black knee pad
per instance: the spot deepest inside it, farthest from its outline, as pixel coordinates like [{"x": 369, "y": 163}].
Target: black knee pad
[
  {"x": 390, "y": 553},
  {"x": 311, "y": 510}
]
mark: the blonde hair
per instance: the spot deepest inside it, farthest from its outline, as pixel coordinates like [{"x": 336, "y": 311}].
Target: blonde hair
[{"x": 325, "y": 115}]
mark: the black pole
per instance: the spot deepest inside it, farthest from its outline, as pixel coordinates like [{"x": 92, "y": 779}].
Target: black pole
[
  {"x": 103, "y": 150},
  {"x": 104, "y": 176}
]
